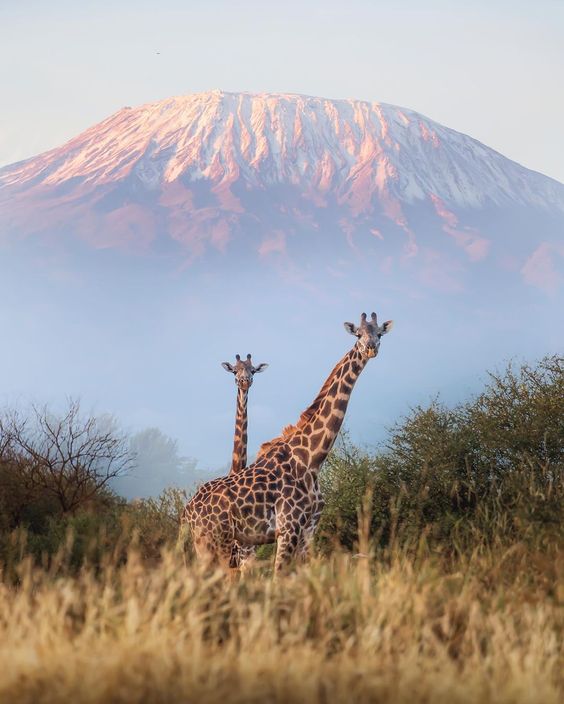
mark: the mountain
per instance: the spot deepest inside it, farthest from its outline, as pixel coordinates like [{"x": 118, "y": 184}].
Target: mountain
[
  {"x": 202, "y": 169},
  {"x": 139, "y": 255}
]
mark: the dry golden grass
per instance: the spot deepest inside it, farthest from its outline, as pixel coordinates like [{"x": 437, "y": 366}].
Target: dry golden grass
[{"x": 406, "y": 629}]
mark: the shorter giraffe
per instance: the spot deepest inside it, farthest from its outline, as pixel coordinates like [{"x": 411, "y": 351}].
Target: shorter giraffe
[
  {"x": 277, "y": 498},
  {"x": 244, "y": 371}
]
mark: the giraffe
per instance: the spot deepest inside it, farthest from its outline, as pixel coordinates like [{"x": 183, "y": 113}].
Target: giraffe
[
  {"x": 244, "y": 371},
  {"x": 277, "y": 498}
]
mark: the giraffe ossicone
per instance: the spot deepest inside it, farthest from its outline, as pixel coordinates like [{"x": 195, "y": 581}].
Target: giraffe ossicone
[{"x": 277, "y": 498}]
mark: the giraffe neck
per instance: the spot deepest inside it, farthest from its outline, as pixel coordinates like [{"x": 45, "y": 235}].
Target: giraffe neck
[
  {"x": 239, "y": 458},
  {"x": 319, "y": 424}
]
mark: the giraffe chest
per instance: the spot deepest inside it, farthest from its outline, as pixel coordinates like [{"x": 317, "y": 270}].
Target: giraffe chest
[
  {"x": 253, "y": 499},
  {"x": 266, "y": 504}
]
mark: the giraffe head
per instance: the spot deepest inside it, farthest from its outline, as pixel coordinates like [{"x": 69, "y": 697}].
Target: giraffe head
[
  {"x": 369, "y": 334},
  {"x": 244, "y": 371}
]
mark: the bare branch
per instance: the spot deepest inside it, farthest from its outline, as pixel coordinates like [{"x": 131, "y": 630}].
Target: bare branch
[{"x": 70, "y": 457}]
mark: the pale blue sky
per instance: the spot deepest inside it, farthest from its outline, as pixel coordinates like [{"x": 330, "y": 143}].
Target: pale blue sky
[{"x": 492, "y": 69}]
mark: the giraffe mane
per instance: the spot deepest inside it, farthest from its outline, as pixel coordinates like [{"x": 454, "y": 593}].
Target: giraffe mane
[
  {"x": 278, "y": 440},
  {"x": 311, "y": 410},
  {"x": 302, "y": 421}
]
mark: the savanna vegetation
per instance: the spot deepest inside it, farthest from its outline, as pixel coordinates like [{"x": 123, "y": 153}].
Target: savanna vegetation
[{"x": 437, "y": 575}]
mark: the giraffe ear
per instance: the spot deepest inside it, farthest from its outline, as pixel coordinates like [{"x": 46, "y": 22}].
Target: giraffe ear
[
  {"x": 350, "y": 327},
  {"x": 261, "y": 367},
  {"x": 387, "y": 326},
  {"x": 228, "y": 367}
]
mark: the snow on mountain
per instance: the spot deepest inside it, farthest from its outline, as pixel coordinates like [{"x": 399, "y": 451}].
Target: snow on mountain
[
  {"x": 353, "y": 148},
  {"x": 198, "y": 170}
]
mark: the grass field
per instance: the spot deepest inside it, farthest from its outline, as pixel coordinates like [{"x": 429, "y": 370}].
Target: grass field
[{"x": 485, "y": 628}]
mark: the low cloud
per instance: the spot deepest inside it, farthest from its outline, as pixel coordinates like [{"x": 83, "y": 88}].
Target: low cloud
[
  {"x": 540, "y": 269},
  {"x": 469, "y": 239},
  {"x": 276, "y": 242}
]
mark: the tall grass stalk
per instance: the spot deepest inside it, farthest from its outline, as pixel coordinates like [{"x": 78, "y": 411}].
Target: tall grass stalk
[{"x": 412, "y": 629}]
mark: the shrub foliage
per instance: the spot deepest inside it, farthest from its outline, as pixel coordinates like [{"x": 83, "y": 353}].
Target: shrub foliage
[{"x": 489, "y": 469}]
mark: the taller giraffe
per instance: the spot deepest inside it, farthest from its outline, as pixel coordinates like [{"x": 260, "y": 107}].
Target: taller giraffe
[
  {"x": 277, "y": 498},
  {"x": 244, "y": 372}
]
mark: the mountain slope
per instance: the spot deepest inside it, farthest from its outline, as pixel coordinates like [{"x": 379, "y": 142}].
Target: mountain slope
[{"x": 197, "y": 169}]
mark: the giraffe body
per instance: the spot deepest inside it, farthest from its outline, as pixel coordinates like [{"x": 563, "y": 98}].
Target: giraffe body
[
  {"x": 277, "y": 498},
  {"x": 274, "y": 498}
]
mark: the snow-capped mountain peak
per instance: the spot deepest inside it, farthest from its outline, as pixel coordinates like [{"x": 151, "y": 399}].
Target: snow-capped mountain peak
[
  {"x": 187, "y": 166},
  {"x": 355, "y": 148}
]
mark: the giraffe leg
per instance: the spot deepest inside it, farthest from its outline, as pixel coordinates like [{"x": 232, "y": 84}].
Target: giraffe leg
[
  {"x": 215, "y": 553},
  {"x": 213, "y": 547},
  {"x": 306, "y": 540},
  {"x": 235, "y": 555},
  {"x": 286, "y": 546},
  {"x": 304, "y": 546},
  {"x": 181, "y": 541},
  {"x": 224, "y": 558},
  {"x": 242, "y": 556},
  {"x": 247, "y": 555},
  {"x": 206, "y": 550},
  {"x": 308, "y": 532}
]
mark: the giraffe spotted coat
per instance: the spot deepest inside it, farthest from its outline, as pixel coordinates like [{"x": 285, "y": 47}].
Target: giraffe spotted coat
[{"x": 277, "y": 498}]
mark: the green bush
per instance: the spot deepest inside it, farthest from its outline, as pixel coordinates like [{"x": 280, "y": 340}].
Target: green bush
[
  {"x": 154, "y": 523},
  {"x": 98, "y": 534},
  {"x": 490, "y": 469}
]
